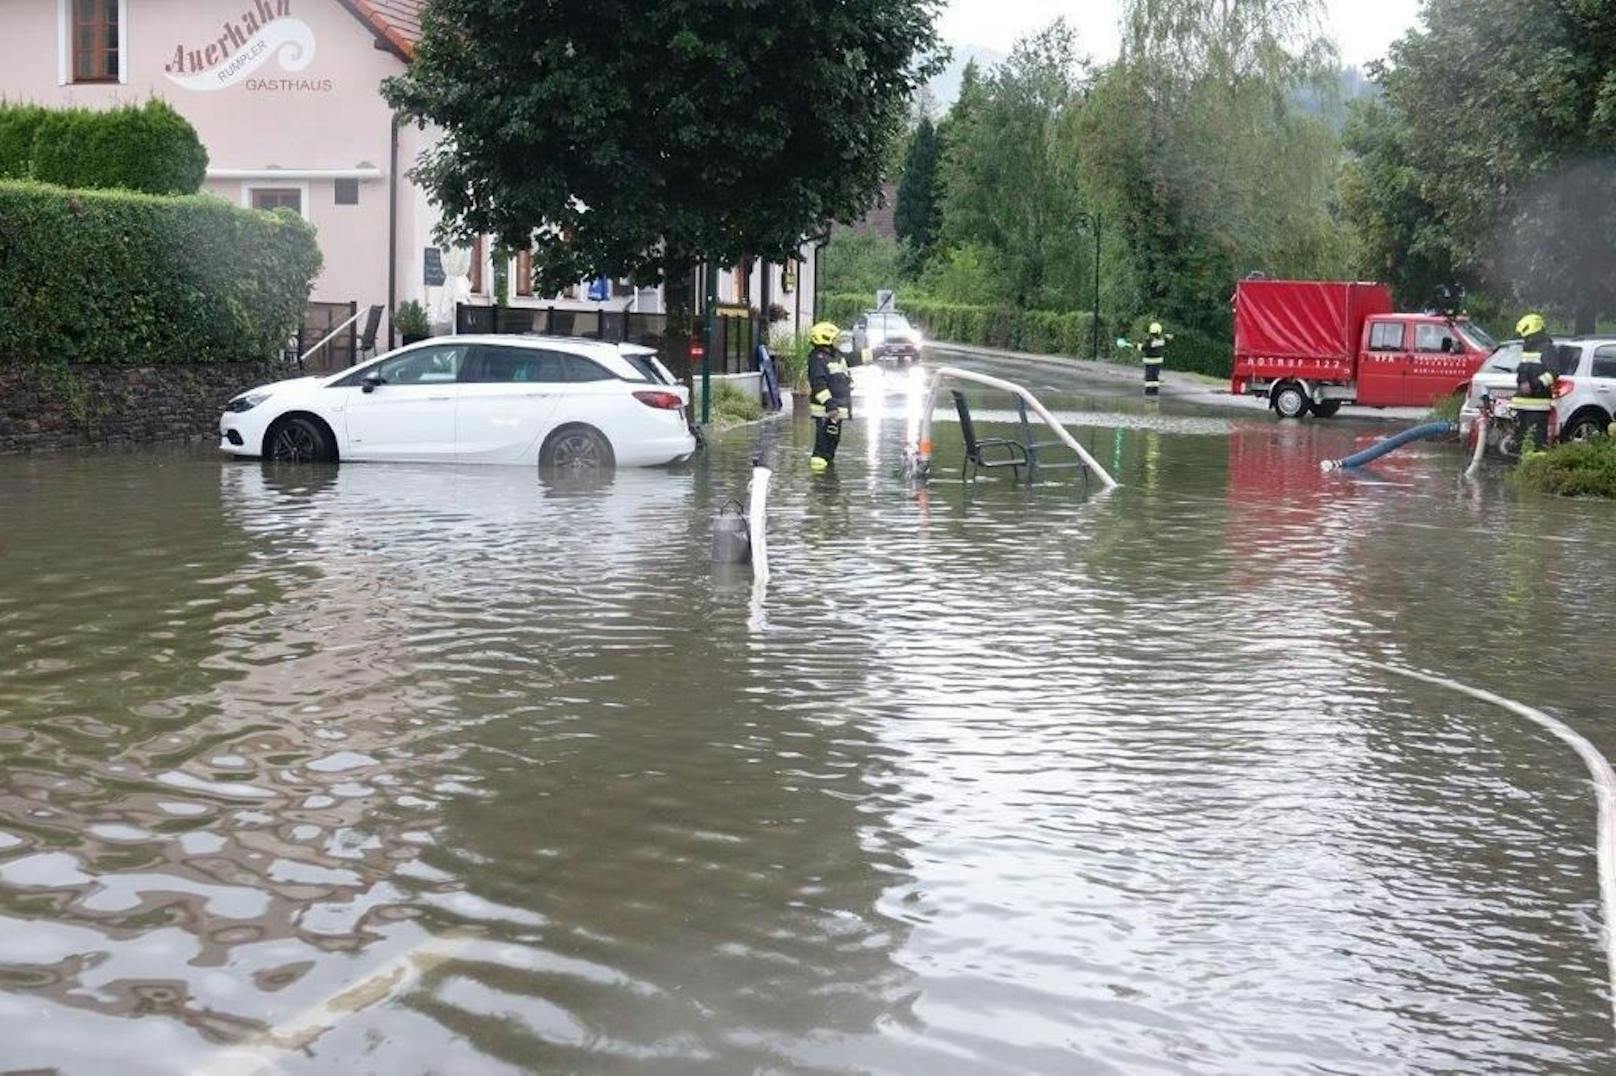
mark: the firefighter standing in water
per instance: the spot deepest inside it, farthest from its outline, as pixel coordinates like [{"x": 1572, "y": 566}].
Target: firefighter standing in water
[
  {"x": 1534, "y": 383},
  {"x": 830, "y": 393},
  {"x": 1154, "y": 353}
]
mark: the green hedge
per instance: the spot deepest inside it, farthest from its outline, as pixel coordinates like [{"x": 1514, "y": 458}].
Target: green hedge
[
  {"x": 1044, "y": 332},
  {"x": 119, "y": 277},
  {"x": 19, "y": 126},
  {"x": 1577, "y": 469},
  {"x": 147, "y": 147}
]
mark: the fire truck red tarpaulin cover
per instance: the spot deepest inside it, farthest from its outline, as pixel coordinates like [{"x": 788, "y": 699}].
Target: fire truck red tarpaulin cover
[{"x": 1321, "y": 320}]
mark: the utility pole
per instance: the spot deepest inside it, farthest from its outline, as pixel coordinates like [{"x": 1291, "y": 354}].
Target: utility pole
[
  {"x": 709, "y": 340},
  {"x": 1092, "y": 221}
]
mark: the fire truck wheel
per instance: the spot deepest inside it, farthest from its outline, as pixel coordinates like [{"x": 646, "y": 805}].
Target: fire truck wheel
[
  {"x": 1290, "y": 401},
  {"x": 1327, "y": 408}
]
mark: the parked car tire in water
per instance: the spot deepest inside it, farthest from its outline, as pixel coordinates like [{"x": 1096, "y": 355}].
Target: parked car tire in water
[
  {"x": 1584, "y": 428},
  {"x": 577, "y": 450},
  {"x": 299, "y": 439},
  {"x": 1290, "y": 401},
  {"x": 1327, "y": 408}
]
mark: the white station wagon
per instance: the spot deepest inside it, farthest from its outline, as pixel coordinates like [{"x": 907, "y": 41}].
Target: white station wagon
[{"x": 555, "y": 402}]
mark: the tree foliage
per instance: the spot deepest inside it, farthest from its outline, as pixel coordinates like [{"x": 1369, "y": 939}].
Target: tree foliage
[
  {"x": 1502, "y": 114},
  {"x": 635, "y": 137},
  {"x": 918, "y": 214},
  {"x": 1011, "y": 173}
]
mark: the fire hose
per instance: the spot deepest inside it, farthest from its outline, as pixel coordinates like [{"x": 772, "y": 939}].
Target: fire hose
[{"x": 1427, "y": 432}]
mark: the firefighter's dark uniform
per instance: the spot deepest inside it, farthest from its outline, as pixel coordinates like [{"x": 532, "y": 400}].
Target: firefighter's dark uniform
[
  {"x": 1154, "y": 351},
  {"x": 1534, "y": 390},
  {"x": 830, "y": 401}
]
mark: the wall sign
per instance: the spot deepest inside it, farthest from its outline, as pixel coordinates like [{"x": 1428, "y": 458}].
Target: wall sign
[
  {"x": 266, "y": 31},
  {"x": 434, "y": 275}
]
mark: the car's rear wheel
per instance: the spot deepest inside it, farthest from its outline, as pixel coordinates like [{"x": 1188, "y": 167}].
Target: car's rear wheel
[
  {"x": 1585, "y": 428},
  {"x": 1290, "y": 401},
  {"x": 299, "y": 440},
  {"x": 577, "y": 450},
  {"x": 1327, "y": 408}
]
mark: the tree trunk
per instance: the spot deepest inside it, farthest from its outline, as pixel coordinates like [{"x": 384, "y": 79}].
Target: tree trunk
[
  {"x": 1587, "y": 320},
  {"x": 679, "y": 293}
]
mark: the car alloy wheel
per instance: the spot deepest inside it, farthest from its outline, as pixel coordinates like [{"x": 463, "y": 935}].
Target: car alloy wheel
[
  {"x": 295, "y": 442},
  {"x": 1586, "y": 429},
  {"x": 578, "y": 451}
]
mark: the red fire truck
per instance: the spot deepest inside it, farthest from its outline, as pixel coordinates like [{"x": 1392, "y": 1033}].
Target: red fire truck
[{"x": 1312, "y": 346}]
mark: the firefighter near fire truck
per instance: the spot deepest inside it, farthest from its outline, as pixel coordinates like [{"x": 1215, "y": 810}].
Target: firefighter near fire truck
[
  {"x": 1534, "y": 383},
  {"x": 830, "y": 394},
  {"x": 1153, "y": 354}
]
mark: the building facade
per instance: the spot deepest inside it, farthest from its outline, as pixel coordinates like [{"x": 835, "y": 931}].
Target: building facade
[{"x": 285, "y": 95}]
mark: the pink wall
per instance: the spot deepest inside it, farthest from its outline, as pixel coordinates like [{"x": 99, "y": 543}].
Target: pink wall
[{"x": 326, "y": 115}]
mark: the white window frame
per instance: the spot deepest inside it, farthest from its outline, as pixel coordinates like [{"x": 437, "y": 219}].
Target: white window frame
[
  {"x": 64, "y": 44},
  {"x": 248, "y": 186}
]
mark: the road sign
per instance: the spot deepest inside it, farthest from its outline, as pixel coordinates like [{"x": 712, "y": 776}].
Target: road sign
[{"x": 884, "y": 301}]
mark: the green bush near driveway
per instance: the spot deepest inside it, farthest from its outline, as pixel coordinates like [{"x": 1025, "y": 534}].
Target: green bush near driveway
[
  {"x": 139, "y": 279},
  {"x": 1578, "y": 469},
  {"x": 1042, "y": 332}
]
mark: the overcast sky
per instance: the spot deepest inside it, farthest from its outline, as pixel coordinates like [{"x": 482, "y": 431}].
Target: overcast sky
[{"x": 1363, "y": 28}]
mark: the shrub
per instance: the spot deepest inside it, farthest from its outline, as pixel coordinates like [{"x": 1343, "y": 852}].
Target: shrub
[
  {"x": 19, "y": 125},
  {"x": 1044, "y": 332},
  {"x": 118, "y": 277},
  {"x": 1579, "y": 469},
  {"x": 148, "y": 148}
]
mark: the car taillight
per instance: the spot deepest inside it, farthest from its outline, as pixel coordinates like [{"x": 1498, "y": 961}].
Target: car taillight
[
  {"x": 662, "y": 401},
  {"x": 1565, "y": 386}
]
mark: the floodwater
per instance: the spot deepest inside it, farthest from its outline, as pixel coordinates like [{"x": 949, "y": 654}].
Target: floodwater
[{"x": 404, "y": 769}]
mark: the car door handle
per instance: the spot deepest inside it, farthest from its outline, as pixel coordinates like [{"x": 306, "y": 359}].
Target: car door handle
[{"x": 440, "y": 397}]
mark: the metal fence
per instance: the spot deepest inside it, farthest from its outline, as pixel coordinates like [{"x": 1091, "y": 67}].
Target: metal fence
[
  {"x": 318, "y": 321},
  {"x": 733, "y": 355}
]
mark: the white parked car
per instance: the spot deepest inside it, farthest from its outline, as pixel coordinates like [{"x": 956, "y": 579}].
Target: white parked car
[
  {"x": 1584, "y": 395},
  {"x": 556, "y": 402}
]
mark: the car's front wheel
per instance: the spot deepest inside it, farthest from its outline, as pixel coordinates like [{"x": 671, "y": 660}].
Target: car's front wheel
[
  {"x": 577, "y": 450},
  {"x": 299, "y": 439}
]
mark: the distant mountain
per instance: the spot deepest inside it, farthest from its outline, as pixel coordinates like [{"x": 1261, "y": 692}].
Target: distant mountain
[
  {"x": 1351, "y": 84},
  {"x": 945, "y": 87}
]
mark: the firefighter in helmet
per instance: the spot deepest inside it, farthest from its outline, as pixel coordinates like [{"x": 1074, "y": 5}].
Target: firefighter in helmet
[
  {"x": 830, "y": 393},
  {"x": 1154, "y": 353},
  {"x": 1534, "y": 382}
]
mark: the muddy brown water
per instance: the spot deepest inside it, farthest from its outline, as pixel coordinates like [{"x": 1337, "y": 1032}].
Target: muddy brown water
[{"x": 439, "y": 769}]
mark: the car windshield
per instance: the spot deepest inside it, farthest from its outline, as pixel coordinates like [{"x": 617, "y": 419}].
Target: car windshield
[
  {"x": 885, "y": 326},
  {"x": 1478, "y": 336}
]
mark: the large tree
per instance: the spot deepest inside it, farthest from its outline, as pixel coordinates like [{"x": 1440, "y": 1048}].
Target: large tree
[
  {"x": 1009, "y": 175},
  {"x": 1505, "y": 112},
  {"x": 636, "y": 138},
  {"x": 918, "y": 214}
]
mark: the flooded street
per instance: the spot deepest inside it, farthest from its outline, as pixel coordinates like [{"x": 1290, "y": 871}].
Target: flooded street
[{"x": 406, "y": 769}]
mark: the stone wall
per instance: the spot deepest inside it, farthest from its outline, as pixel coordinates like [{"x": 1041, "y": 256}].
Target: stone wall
[{"x": 51, "y": 407}]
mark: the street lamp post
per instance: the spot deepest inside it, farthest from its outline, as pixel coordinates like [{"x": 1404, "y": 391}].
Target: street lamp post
[{"x": 1092, "y": 221}]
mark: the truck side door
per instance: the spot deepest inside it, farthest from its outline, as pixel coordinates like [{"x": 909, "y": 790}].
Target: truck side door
[
  {"x": 1439, "y": 364},
  {"x": 1383, "y": 364}
]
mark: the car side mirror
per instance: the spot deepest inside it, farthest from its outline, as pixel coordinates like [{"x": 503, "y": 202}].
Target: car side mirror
[{"x": 370, "y": 382}]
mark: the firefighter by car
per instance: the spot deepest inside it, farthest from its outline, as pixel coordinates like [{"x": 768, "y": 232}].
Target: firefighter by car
[
  {"x": 830, "y": 393},
  {"x": 1534, "y": 382}
]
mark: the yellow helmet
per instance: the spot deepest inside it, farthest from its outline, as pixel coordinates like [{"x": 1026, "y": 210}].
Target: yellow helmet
[
  {"x": 1530, "y": 325},
  {"x": 1155, "y": 328},
  {"x": 824, "y": 334}
]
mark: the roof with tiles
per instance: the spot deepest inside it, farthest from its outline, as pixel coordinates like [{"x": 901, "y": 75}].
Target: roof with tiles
[{"x": 396, "y": 23}]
